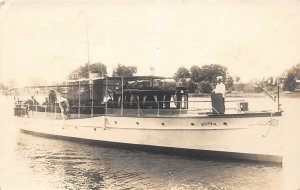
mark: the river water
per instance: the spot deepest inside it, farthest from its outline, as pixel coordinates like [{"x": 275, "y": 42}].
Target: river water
[{"x": 33, "y": 162}]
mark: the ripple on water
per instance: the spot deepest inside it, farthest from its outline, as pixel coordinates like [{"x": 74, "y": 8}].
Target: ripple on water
[{"x": 70, "y": 165}]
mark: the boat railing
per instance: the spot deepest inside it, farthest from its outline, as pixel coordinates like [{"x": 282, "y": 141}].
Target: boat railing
[
  {"x": 160, "y": 108},
  {"x": 146, "y": 108},
  {"x": 57, "y": 112}
]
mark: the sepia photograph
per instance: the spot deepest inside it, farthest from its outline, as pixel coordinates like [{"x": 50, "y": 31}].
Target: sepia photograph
[{"x": 149, "y": 94}]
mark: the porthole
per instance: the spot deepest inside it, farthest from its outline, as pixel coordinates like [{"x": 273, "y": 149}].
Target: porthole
[
  {"x": 162, "y": 124},
  {"x": 95, "y": 129},
  {"x": 192, "y": 124},
  {"x": 116, "y": 122},
  {"x": 137, "y": 123},
  {"x": 224, "y": 123}
]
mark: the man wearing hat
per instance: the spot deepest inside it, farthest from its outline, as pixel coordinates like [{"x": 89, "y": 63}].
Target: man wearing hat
[
  {"x": 220, "y": 87},
  {"x": 218, "y": 95}
]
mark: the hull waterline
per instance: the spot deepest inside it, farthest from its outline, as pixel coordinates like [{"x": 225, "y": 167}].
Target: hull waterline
[{"x": 247, "y": 138}]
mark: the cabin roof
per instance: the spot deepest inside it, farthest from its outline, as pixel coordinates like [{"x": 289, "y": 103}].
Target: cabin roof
[
  {"x": 120, "y": 77},
  {"x": 86, "y": 81},
  {"x": 137, "y": 77}
]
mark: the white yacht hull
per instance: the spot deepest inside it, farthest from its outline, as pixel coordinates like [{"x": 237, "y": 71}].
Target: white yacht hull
[{"x": 252, "y": 138}]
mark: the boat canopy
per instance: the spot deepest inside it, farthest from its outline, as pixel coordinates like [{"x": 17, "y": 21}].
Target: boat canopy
[{"x": 132, "y": 78}]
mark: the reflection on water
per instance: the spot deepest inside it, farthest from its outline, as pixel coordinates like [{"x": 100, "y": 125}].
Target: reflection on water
[
  {"x": 32, "y": 162},
  {"x": 59, "y": 164}
]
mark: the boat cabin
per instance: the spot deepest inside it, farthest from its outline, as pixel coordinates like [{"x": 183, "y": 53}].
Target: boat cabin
[
  {"x": 105, "y": 95},
  {"x": 144, "y": 93}
]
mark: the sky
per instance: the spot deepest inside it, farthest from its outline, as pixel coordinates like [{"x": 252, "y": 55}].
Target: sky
[{"x": 48, "y": 39}]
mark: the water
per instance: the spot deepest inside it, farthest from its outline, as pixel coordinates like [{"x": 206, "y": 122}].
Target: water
[{"x": 32, "y": 162}]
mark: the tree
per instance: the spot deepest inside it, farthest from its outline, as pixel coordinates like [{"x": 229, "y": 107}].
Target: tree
[
  {"x": 229, "y": 83},
  {"x": 210, "y": 72},
  {"x": 251, "y": 88},
  {"x": 238, "y": 87},
  {"x": 181, "y": 73},
  {"x": 196, "y": 73},
  {"x": 290, "y": 82},
  {"x": 83, "y": 71},
  {"x": 293, "y": 74},
  {"x": 295, "y": 70},
  {"x": 191, "y": 86},
  {"x": 207, "y": 73},
  {"x": 203, "y": 77},
  {"x": 205, "y": 87},
  {"x": 123, "y": 70}
]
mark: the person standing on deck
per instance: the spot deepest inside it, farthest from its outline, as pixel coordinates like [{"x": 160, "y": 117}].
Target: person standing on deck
[
  {"x": 63, "y": 105},
  {"x": 218, "y": 97},
  {"x": 55, "y": 97},
  {"x": 220, "y": 87},
  {"x": 52, "y": 100}
]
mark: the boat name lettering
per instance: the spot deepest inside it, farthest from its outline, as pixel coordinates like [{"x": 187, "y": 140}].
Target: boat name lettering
[{"x": 208, "y": 123}]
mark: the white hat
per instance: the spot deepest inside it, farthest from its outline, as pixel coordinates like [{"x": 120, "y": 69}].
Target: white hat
[{"x": 219, "y": 77}]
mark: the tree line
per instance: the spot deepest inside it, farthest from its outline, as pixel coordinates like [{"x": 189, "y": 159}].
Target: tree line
[
  {"x": 195, "y": 79},
  {"x": 202, "y": 78},
  {"x": 83, "y": 71}
]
